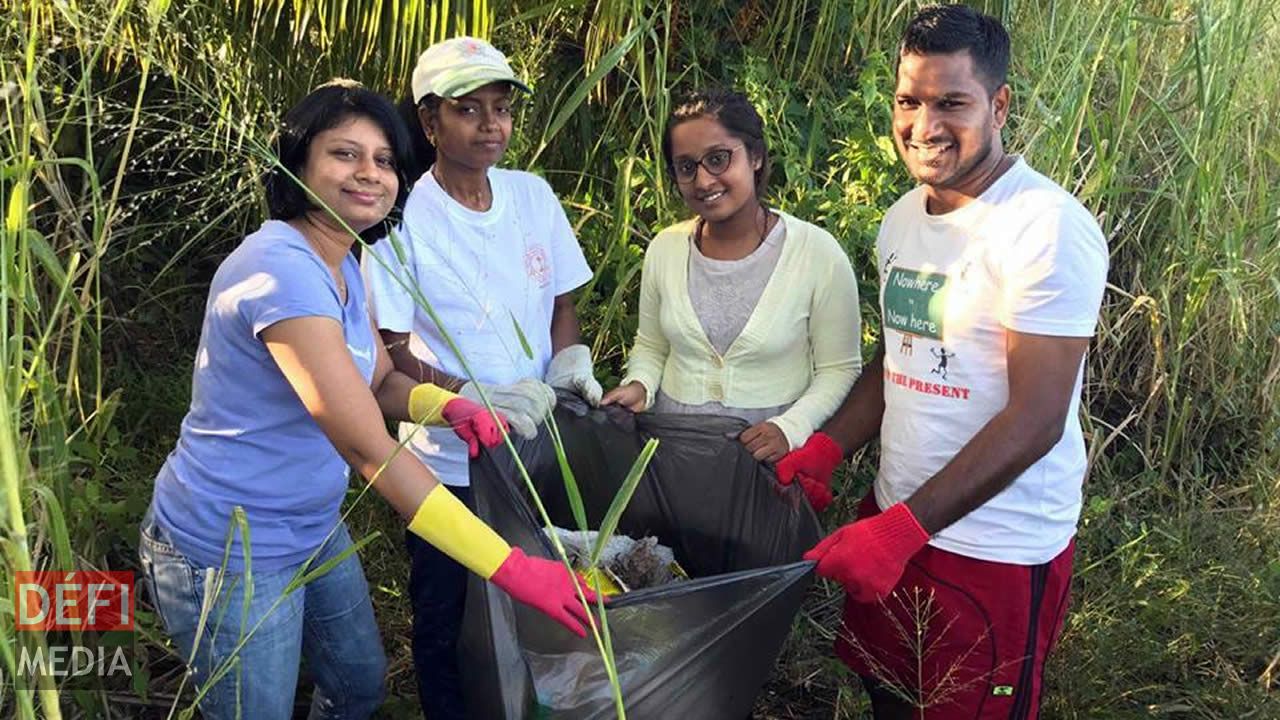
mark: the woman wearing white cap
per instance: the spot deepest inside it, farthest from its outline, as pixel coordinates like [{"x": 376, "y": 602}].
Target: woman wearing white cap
[{"x": 490, "y": 249}]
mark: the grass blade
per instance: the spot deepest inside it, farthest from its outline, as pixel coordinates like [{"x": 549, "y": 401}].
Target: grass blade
[
  {"x": 305, "y": 576},
  {"x": 524, "y": 341},
  {"x": 622, "y": 498},
  {"x": 570, "y": 481},
  {"x": 607, "y": 63}
]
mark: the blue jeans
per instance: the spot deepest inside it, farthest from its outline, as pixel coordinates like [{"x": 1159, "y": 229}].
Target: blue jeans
[{"x": 329, "y": 622}]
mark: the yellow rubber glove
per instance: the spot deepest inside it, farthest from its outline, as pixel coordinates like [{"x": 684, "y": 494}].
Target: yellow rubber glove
[
  {"x": 452, "y": 528},
  {"x": 544, "y": 585},
  {"x": 426, "y": 404}
]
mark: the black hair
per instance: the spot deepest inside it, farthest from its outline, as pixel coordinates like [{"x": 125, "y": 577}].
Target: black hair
[
  {"x": 944, "y": 29},
  {"x": 325, "y": 108},
  {"x": 738, "y": 117},
  {"x": 423, "y": 152}
]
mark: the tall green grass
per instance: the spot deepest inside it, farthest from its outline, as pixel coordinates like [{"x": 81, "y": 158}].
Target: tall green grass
[
  {"x": 59, "y": 214},
  {"x": 248, "y": 146},
  {"x": 127, "y": 175},
  {"x": 1165, "y": 133}
]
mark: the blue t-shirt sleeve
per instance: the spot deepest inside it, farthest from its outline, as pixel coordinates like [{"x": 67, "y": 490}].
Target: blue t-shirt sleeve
[{"x": 285, "y": 283}]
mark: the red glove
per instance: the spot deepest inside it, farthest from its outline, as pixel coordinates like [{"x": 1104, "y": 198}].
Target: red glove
[
  {"x": 818, "y": 492},
  {"x": 545, "y": 585},
  {"x": 473, "y": 423},
  {"x": 867, "y": 557},
  {"x": 813, "y": 464}
]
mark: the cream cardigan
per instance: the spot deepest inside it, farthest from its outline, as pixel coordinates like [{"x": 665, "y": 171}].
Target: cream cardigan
[{"x": 802, "y": 343}]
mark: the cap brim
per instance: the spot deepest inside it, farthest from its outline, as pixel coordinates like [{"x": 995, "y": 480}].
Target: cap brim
[{"x": 474, "y": 83}]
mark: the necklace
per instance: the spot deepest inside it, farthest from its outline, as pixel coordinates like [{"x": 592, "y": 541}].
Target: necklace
[
  {"x": 342, "y": 285},
  {"x": 480, "y": 202},
  {"x": 762, "y": 233}
]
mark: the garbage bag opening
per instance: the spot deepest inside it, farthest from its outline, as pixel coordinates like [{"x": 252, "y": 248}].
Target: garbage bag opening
[{"x": 700, "y": 648}]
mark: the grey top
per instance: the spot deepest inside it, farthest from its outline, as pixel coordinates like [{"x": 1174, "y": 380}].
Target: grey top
[{"x": 724, "y": 293}]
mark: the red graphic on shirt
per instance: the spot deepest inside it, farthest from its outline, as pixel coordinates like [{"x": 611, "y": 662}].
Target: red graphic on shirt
[
  {"x": 925, "y": 387},
  {"x": 537, "y": 265}
]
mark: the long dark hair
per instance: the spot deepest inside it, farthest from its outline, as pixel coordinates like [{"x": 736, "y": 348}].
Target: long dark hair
[
  {"x": 738, "y": 117},
  {"x": 325, "y": 108}
]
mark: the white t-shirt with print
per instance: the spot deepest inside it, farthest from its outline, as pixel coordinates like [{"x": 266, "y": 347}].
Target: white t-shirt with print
[
  {"x": 1024, "y": 256},
  {"x": 482, "y": 273}
]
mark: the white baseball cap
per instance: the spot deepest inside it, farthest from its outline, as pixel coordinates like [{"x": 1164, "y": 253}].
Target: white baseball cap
[{"x": 459, "y": 65}]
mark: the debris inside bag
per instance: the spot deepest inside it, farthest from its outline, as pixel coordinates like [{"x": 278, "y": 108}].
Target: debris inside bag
[{"x": 626, "y": 564}]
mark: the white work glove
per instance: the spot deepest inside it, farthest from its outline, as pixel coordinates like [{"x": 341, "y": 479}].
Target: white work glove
[
  {"x": 525, "y": 403},
  {"x": 571, "y": 369}
]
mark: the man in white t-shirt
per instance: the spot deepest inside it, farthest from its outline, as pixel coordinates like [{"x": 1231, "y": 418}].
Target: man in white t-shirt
[
  {"x": 491, "y": 251},
  {"x": 991, "y": 279}
]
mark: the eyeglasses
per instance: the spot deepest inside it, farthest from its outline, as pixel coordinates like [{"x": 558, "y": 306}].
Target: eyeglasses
[{"x": 714, "y": 162}]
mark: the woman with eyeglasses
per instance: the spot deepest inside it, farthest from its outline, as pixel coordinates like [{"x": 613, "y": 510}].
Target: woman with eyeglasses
[{"x": 744, "y": 310}]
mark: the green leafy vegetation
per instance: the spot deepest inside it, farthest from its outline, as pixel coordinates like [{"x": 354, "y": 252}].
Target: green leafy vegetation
[{"x": 130, "y": 137}]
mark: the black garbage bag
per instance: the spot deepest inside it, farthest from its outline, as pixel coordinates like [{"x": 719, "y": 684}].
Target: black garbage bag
[{"x": 698, "y": 649}]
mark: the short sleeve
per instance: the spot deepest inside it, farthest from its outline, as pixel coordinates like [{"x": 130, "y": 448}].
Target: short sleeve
[
  {"x": 383, "y": 262},
  {"x": 568, "y": 265},
  {"x": 1054, "y": 275},
  {"x": 289, "y": 283},
  {"x": 881, "y": 258}
]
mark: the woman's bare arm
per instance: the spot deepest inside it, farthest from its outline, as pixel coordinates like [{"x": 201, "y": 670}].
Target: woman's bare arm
[{"x": 312, "y": 353}]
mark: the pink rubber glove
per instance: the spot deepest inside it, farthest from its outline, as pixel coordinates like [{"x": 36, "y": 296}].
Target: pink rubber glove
[
  {"x": 813, "y": 465},
  {"x": 473, "y": 423},
  {"x": 545, "y": 585},
  {"x": 867, "y": 557}
]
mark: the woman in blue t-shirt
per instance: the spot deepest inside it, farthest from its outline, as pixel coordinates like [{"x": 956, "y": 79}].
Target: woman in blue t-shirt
[{"x": 289, "y": 391}]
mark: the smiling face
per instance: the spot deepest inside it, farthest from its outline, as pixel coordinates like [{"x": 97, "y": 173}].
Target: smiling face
[
  {"x": 472, "y": 130},
  {"x": 351, "y": 168},
  {"x": 715, "y": 198},
  {"x": 946, "y": 123}
]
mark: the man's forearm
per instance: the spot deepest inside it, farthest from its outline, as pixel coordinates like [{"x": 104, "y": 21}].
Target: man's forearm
[
  {"x": 857, "y": 421},
  {"x": 1001, "y": 451},
  {"x": 1042, "y": 372}
]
